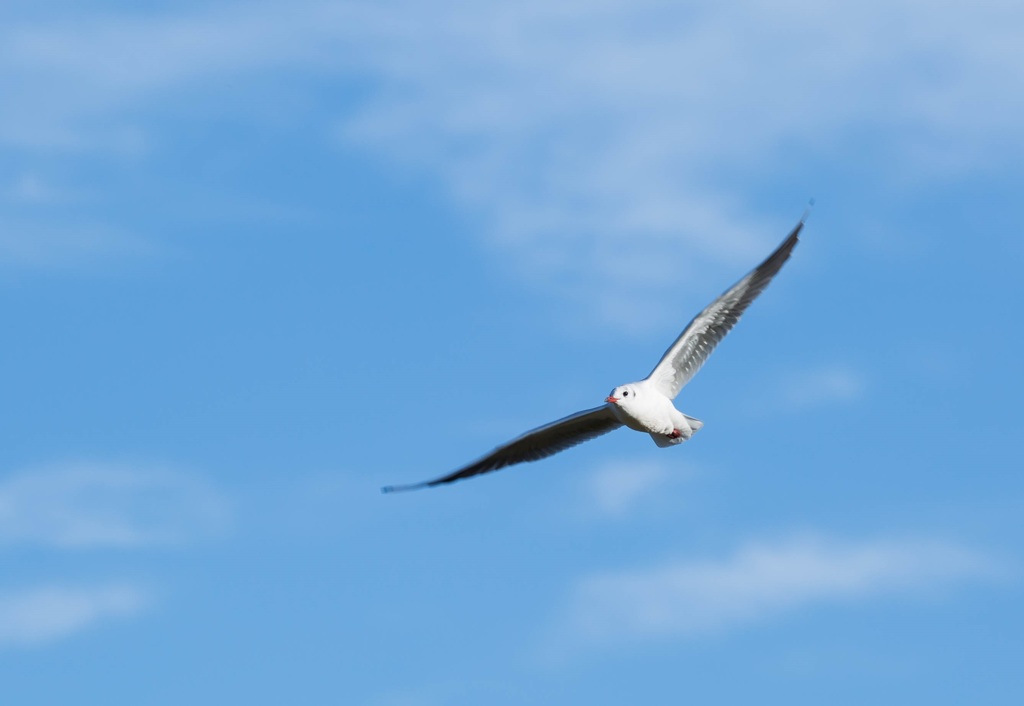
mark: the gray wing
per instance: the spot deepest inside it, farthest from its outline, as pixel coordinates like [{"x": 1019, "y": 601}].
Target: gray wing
[
  {"x": 686, "y": 356},
  {"x": 532, "y": 446}
]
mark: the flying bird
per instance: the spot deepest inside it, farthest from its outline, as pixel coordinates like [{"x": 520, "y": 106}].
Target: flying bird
[{"x": 644, "y": 406}]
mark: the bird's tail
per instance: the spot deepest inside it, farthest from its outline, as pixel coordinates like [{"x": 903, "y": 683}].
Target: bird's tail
[{"x": 692, "y": 426}]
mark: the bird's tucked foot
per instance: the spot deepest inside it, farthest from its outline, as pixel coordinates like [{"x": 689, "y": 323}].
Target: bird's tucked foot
[{"x": 675, "y": 434}]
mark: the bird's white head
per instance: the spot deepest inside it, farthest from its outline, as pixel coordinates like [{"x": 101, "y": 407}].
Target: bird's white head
[{"x": 623, "y": 395}]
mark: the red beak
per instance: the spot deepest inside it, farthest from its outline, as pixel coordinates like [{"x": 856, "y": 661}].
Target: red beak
[{"x": 609, "y": 398}]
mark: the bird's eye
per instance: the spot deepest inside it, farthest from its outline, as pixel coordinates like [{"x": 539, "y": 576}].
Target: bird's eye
[{"x": 625, "y": 393}]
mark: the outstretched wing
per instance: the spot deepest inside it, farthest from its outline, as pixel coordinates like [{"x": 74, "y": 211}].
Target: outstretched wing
[
  {"x": 531, "y": 446},
  {"x": 685, "y": 357}
]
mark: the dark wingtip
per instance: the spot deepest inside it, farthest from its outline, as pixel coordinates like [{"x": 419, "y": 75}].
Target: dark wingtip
[
  {"x": 807, "y": 211},
  {"x": 388, "y": 489}
]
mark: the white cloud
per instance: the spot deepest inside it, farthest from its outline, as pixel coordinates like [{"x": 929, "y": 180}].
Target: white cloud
[
  {"x": 31, "y": 189},
  {"x": 66, "y": 247},
  {"x": 687, "y": 598},
  {"x": 820, "y": 386},
  {"x": 44, "y": 614},
  {"x": 608, "y": 146},
  {"x": 93, "y": 505},
  {"x": 617, "y": 489},
  {"x": 87, "y": 506}
]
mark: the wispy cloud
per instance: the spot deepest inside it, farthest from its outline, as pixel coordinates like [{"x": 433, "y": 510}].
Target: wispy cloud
[
  {"x": 618, "y": 489},
  {"x": 607, "y": 146},
  {"x": 80, "y": 506},
  {"x": 761, "y": 581},
  {"x": 42, "y": 229},
  {"x": 815, "y": 387},
  {"x": 95, "y": 505},
  {"x": 44, "y": 614},
  {"x": 31, "y": 189},
  {"x": 31, "y": 245}
]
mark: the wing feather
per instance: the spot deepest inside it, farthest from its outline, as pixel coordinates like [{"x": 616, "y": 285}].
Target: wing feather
[
  {"x": 532, "y": 446},
  {"x": 689, "y": 352}
]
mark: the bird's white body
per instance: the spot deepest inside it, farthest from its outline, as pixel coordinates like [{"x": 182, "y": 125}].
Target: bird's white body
[
  {"x": 646, "y": 405},
  {"x": 643, "y": 407}
]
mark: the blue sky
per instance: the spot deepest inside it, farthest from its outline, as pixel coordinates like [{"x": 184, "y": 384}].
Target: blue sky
[{"x": 259, "y": 259}]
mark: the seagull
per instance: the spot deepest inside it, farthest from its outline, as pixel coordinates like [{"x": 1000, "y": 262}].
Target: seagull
[{"x": 644, "y": 406}]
